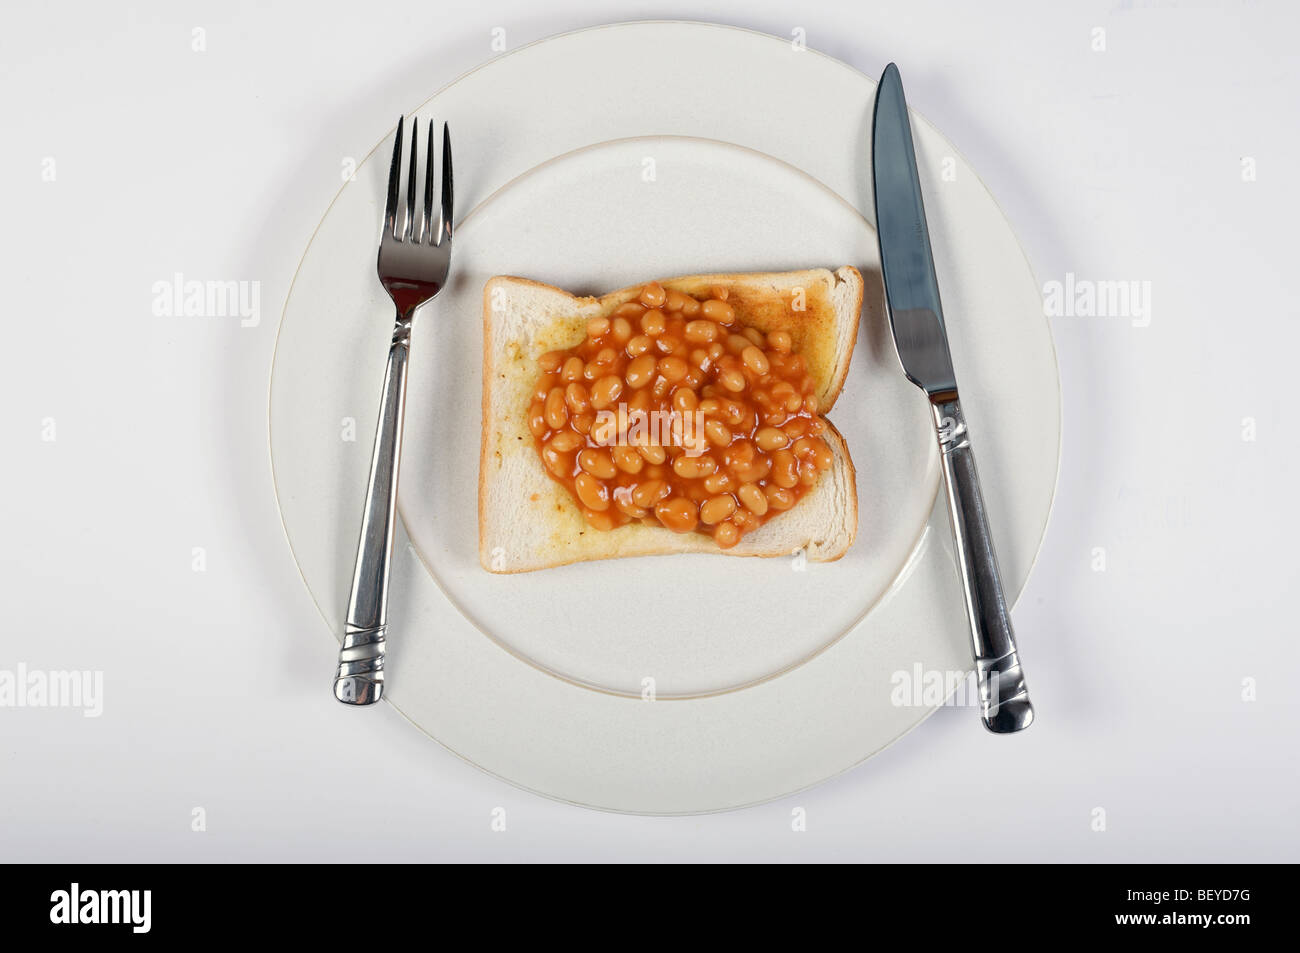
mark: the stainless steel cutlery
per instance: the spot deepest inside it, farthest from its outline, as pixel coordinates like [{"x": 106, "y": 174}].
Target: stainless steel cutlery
[
  {"x": 916, "y": 318},
  {"x": 414, "y": 260}
]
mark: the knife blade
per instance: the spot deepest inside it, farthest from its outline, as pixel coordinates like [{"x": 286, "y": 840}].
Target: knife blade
[{"x": 921, "y": 339}]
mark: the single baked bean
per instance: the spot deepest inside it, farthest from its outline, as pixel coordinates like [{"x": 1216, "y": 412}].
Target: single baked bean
[
  {"x": 650, "y": 492},
  {"x": 718, "y": 311},
  {"x": 652, "y": 453},
  {"x": 678, "y": 514},
  {"x": 550, "y": 361},
  {"x": 621, "y": 330},
  {"x": 623, "y": 500},
  {"x": 770, "y": 438},
  {"x": 785, "y": 469},
  {"x": 557, "y": 415},
  {"x": 537, "y": 420},
  {"x": 560, "y": 464},
  {"x": 780, "y": 342},
  {"x": 732, "y": 380},
  {"x": 753, "y": 472},
  {"x": 596, "y": 327},
  {"x": 755, "y": 360},
  {"x": 752, "y": 498},
  {"x": 605, "y": 391},
  {"x": 778, "y": 498},
  {"x": 598, "y": 463},
  {"x": 720, "y": 482},
  {"x": 804, "y": 447},
  {"x": 795, "y": 429},
  {"x": 566, "y": 441},
  {"x": 690, "y": 308},
  {"x": 736, "y": 343},
  {"x": 653, "y": 295},
  {"x": 593, "y": 494},
  {"x": 673, "y": 369},
  {"x": 717, "y": 433},
  {"x": 717, "y": 509},
  {"x": 572, "y": 370},
  {"x": 640, "y": 371},
  {"x": 653, "y": 323},
  {"x": 726, "y": 535},
  {"x": 575, "y": 396},
  {"x": 627, "y": 459},
  {"x": 692, "y": 468},
  {"x": 701, "y": 332}
]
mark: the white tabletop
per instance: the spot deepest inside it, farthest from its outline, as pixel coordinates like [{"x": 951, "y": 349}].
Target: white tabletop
[{"x": 1143, "y": 141}]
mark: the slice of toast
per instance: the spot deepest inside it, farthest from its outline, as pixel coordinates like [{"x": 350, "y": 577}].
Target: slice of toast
[{"x": 528, "y": 521}]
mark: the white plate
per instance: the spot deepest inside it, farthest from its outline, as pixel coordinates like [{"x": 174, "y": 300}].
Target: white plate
[{"x": 501, "y": 669}]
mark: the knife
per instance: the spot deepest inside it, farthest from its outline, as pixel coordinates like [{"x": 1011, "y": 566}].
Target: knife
[{"x": 921, "y": 338}]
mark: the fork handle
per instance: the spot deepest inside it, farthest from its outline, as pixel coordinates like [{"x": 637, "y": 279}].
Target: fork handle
[
  {"x": 360, "y": 676},
  {"x": 1004, "y": 698}
]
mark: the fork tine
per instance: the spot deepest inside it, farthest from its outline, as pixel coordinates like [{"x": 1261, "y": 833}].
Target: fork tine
[
  {"x": 447, "y": 203},
  {"x": 394, "y": 183},
  {"x": 410, "y": 184},
  {"x": 429, "y": 234}
]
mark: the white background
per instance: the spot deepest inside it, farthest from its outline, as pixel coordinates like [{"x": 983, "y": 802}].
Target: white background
[{"x": 1122, "y": 164}]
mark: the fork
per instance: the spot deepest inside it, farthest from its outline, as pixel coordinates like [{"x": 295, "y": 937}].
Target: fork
[{"x": 414, "y": 259}]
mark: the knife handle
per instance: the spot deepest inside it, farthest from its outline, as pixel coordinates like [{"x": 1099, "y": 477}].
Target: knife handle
[
  {"x": 360, "y": 676},
  {"x": 1004, "y": 697}
]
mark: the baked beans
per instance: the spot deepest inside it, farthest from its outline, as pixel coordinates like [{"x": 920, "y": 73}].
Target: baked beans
[{"x": 759, "y": 443}]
